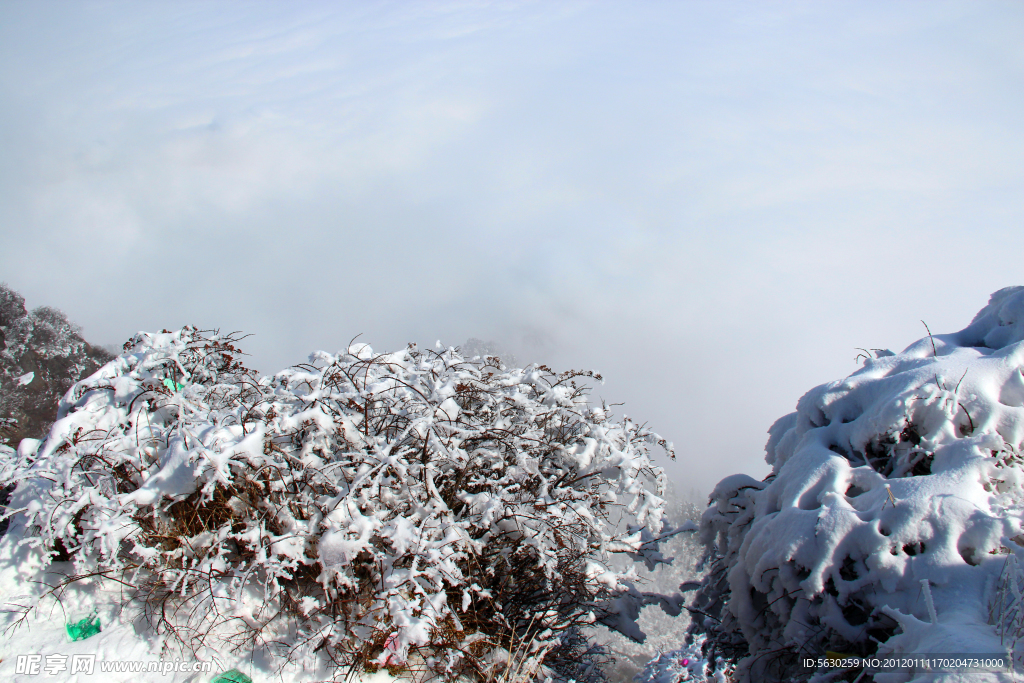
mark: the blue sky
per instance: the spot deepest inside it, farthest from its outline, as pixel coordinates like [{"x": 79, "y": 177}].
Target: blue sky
[{"x": 713, "y": 204}]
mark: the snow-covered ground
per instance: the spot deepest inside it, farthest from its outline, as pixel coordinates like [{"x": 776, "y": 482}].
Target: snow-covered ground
[
  {"x": 663, "y": 632},
  {"x": 43, "y": 633}
]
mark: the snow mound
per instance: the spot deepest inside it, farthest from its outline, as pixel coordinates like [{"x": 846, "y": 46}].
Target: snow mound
[{"x": 892, "y": 517}]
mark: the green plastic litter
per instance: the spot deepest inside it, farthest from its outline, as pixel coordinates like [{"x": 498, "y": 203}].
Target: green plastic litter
[
  {"x": 172, "y": 385},
  {"x": 232, "y": 676},
  {"x": 84, "y": 628}
]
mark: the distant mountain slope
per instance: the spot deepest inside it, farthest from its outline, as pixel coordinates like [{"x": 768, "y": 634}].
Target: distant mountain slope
[{"x": 42, "y": 354}]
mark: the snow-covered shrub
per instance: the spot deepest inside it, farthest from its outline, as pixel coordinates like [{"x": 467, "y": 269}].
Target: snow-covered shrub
[
  {"x": 688, "y": 663},
  {"x": 893, "y": 491},
  {"x": 412, "y": 510}
]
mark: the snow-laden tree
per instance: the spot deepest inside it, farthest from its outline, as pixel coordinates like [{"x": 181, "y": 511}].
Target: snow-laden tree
[
  {"x": 415, "y": 510},
  {"x": 42, "y": 354},
  {"x": 891, "y": 521}
]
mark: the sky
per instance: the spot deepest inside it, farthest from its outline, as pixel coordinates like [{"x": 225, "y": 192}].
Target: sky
[{"x": 712, "y": 203}]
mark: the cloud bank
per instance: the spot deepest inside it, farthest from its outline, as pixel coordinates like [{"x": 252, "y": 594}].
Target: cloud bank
[{"x": 712, "y": 204}]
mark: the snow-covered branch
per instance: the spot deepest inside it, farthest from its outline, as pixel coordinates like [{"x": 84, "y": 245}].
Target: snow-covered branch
[{"x": 412, "y": 509}]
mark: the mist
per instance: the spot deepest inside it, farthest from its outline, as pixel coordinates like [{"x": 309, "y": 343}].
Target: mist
[{"x": 712, "y": 204}]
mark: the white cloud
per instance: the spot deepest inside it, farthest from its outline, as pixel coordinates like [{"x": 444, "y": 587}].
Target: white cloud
[{"x": 756, "y": 189}]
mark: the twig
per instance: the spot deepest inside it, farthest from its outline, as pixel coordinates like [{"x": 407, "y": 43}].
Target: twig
[
  {"x": 961, "y": 380},
  {"x": 926, "y": 589},
  {"x": 936, "y": 353}
]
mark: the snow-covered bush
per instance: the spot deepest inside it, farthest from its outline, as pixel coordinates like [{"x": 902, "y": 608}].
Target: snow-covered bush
[
  {"x": 414, "y": 510},
  {"x": 687, "y": 663},
  {"x": 894, "y": 491}
]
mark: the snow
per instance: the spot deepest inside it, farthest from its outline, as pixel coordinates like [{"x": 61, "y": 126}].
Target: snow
[
  {"x": 284, "y": 521},
  {"x": 43, "y": 630},
  {"x": 684, "y": 664},
  {"x": 893, "y": 508},
  {"x": 892, "y": 522}
]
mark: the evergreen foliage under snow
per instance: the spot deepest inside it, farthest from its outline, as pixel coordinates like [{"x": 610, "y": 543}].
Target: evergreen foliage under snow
[{"x": 891, "y": 521}]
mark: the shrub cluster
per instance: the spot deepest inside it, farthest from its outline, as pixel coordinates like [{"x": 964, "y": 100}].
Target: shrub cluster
[
  {"x": 415, "y": 510},
  {"x": 888, "y": 522}
]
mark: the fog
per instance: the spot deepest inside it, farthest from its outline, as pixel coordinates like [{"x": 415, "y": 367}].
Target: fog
[{"x": 713, "y": 204}]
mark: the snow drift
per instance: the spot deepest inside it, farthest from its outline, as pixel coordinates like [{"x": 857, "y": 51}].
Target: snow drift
[{"x": 891, "y": 521}]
